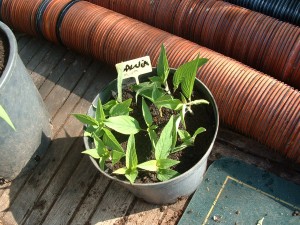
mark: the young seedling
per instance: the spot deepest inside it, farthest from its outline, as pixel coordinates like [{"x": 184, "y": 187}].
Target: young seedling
[{"x": 130, "y": 171}]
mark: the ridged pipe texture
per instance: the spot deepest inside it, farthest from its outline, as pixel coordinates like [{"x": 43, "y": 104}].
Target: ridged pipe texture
[
  {"x": 287, "y": 10},
  {"x": 257, "y": 40},
  {"x": 249, "y": 101}
]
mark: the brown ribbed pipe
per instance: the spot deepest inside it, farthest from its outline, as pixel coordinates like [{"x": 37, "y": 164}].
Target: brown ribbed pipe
[
  {"x": 255, "y": 39},
  {"x": 20, "y": 14},
  {"x": 50, "y": 18},
  {"x": 249, "y": 101}
]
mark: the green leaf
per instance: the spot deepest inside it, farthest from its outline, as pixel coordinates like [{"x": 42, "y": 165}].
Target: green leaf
[
  {"x": 116, "y": 156},
  {"x": 180, "y": 148},
  {"x": 102, "y": 150},
  {"x": 110, "y": 141},
  {"x": 157, "y": 92},
  {"x": 153, "y": 127},
  {"x": 153, "y": 137},
  {"x": 156, "y": 79},
  {"x": 198, "y": 131},
  {"x": 131, "y": 157},
  {"x": 121, "y": 108},
  {"x": 186, "y": 75},
  {"x": 92, "y": 152},
  {"x": 182, "y": 115},
  {"x": 121, "y": 171},
  {"x": 148, "y": 90},
  {"x": 177, "y": 119},
  {"x": 102, "y": 162},
  {"x": 85, "y": 119},
  {"x": 146, "y": 113},
  {"x": 163, "y": 66},
  {"x": 149, "y": 165},
  {"x": 167, "y": 101},
  {"x": 187, "y": 84},
  {"x": 99, "y": 131},
  {"x": 131, "y": 175},
  {"x": 108, "y": 105},
  {"x": 6, "y": 118},
  {"x": 100, "y": 116},
  {"x": 143, "y": 89},
  {"x": 164, "y": 144},
  {"x": 123, "y": 124},
  {"x": 89, "y": 130},
  {"x": 184, "y": 135},
  {"x": 166, "y": 174},
  {"x": 183, "y": 99},
  {"x": 166, "y": 163}
]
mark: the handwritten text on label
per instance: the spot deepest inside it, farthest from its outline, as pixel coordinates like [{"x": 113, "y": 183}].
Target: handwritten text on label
[{"x": 135, "y": 67}]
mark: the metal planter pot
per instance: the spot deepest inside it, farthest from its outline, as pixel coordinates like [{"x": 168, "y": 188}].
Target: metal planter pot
[
  {"x": 185, "y": 184},
  {"x": 25, "y": 107}
]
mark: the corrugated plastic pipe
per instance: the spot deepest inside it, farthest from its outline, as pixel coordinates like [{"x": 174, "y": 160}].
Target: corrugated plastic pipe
[
  {"x": 287, "y": 10},
  {"x": 249, "y": 101},
  {"x": 262, "y": 42}
]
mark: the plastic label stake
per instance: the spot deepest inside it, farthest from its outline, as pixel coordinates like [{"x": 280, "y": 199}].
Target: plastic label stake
[{"x": 135, "y": 68}]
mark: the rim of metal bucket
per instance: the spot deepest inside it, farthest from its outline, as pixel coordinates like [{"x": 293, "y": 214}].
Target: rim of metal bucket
[{"x": 13, "y": 48}]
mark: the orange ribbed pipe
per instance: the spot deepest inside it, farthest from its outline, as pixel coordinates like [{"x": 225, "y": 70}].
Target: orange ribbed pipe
[
  {"x": 21, "y": 14},
  {"x": 50, "y": 18},
  {"x": 257, "y": 40},
  {"x": 249, "y": 101}
]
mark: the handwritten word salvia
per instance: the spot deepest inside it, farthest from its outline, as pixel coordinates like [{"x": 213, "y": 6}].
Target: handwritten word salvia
[{"x": 141, "y": 64}]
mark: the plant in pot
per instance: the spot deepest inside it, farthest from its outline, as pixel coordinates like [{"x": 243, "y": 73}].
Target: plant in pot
[{"x": 148, "y": 135}]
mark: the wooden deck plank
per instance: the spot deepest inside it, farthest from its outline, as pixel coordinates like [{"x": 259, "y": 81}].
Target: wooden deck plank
[
  {"x": 143, "y": 212},
  {"x": 23, "y": 41},
  {"x": 113, "y": 206},
  {"x": 95, "y": 74},
  {"x": 173, "y": 213},
  {"x": 59, "y": 94},
  {"x": 38, "y": 211},
  {"x": 72, "y": 194},
  {"x": 89, "y": 205},
  {"x": 30, "y": 49},
  {"x": 47, "y": 65},
  {"x": 56, "y": 74},
  {"x": 46, "y": 168},
  {"x": 10, "y": 193},
  {"x": 89, "y": 82},
  {"x": 38, "y": 57}
]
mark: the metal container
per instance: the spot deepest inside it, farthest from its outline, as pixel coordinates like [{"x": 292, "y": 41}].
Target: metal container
[
  {"x": 25, "y": 107},
  {"x": 185, "y": 184}
]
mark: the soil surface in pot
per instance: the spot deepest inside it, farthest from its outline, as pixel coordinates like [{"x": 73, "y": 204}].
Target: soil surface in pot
[
  {"x": 4, "y": 49},
  {"x": 203, "y": 117}
]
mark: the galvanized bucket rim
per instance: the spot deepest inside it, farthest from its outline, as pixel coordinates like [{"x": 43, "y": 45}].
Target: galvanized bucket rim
[{"x": 13, "y": 48}]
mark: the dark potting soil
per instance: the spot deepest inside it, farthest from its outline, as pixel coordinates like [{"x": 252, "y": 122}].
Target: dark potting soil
[
  {"x": 188, "y": 157},
  {"x": 4, "y": 47}
]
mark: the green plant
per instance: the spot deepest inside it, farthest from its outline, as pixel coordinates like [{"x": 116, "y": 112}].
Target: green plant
[
  {"x": 6, "y": 118},
  {"x": 114, "y": 117}
]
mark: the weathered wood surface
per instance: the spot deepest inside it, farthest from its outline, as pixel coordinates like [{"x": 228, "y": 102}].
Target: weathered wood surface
[{"x": 64, "y": 187}]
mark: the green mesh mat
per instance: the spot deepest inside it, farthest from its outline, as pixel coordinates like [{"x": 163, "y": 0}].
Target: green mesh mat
[{"x": 236, "y": 193}]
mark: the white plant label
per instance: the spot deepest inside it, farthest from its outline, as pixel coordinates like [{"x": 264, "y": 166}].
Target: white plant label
[{"x": 135, "y": 67}]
